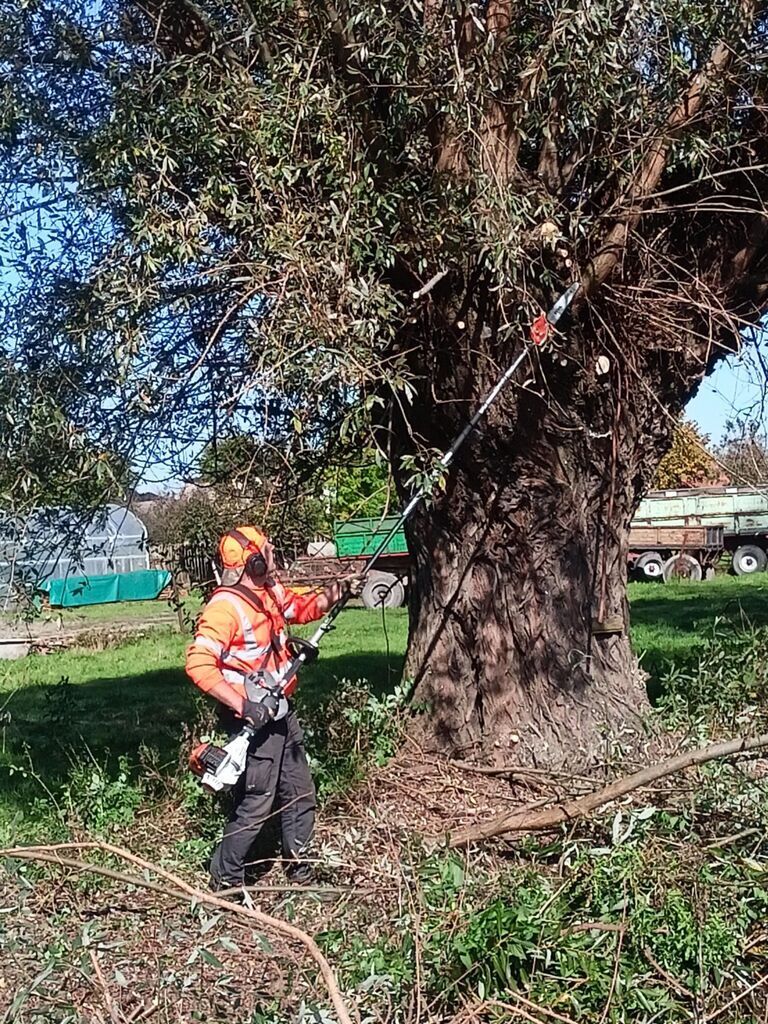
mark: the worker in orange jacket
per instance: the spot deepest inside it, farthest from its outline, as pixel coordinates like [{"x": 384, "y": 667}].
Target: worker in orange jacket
[{"x": 242, "y": 630}]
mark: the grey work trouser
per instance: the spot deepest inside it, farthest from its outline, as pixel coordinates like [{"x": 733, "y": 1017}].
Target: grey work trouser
[{"x": 276, "y": 777}]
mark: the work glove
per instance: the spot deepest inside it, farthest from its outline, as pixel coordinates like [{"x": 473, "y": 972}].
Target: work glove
[
  {"x": 260, "y": 712},
  {"x": 352, "y": 585}
]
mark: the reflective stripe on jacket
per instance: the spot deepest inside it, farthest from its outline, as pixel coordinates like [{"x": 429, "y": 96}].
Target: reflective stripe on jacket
[{"x": 242, "y": 630}]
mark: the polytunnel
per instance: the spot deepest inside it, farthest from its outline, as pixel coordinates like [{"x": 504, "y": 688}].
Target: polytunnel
[{"x": 60, "y": 544}]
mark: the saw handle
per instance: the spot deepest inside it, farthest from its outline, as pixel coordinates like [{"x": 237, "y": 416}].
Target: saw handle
[{"x": 297, "y": 645}]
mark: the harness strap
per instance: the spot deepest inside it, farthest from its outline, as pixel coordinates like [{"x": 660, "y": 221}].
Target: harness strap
[{"x": 255, "y": 602}]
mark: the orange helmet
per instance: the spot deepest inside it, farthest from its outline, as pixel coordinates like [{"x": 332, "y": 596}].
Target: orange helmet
[{"x": 235, "y": 548}]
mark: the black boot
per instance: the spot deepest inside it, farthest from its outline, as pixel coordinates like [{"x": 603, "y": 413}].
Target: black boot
[{"x": 299, "y": 872}]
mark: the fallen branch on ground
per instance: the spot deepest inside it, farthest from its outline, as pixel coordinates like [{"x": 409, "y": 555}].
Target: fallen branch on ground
[
  {"x": 524, "y": 821},
  {"x": 180, "y": 891}
]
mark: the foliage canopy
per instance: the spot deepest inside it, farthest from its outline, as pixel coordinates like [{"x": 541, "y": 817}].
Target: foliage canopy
[{"x": 221, "y": 210}]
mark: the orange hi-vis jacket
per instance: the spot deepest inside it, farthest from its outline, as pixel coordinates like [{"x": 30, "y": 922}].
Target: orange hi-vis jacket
[{"x": 242, "y": 630}]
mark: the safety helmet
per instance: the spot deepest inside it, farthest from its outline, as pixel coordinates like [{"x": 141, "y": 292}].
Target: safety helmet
[{"x": 235, "y": 549}]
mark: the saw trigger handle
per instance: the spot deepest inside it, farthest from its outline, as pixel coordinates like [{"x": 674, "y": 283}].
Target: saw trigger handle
[{"x": 297, "y": 645}]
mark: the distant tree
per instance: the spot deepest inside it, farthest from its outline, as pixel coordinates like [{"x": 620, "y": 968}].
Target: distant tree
[
  {"x": 185, "y": 519},
  {"x": 354, "y": 484},
  {"x": 241, "y": 480},
  {"x": 688, "y": 463},
  {"x": 746, "y": 459},
  {"x": 354, "y": 489},
  {"x": 239, "y": 462}
]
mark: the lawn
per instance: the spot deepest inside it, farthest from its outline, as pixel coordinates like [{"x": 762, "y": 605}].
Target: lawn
[
  {"x": 102, "y": 704},
  {"x": 669, "y": 621},
  {"x": 75, "y": 618}
]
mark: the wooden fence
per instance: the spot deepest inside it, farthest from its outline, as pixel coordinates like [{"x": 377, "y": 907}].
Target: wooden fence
[{"x": 190, "y": 564}]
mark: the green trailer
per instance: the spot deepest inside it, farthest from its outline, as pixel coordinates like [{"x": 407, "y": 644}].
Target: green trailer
[
  {"x": 362, "y": 536},
  {"x": 357, "y": 539},
  {"x": 741, "y": 513},
  {"x": 354, "y": 541}
]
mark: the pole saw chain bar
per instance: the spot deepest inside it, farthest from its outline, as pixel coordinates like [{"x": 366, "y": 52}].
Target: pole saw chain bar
[{"x": 541, "y": 326}]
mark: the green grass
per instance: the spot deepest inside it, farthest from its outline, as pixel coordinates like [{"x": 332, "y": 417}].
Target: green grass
[
  {"x": 140, "y": 611},
  {"x": 116, "y": 700},
  {"x": 670, "y": 621}
]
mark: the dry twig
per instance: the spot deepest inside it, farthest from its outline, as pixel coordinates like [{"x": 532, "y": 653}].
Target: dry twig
[
  {"x": 673, "y": 983},
  {"x": 736, "y": 999},
  {"x": 109, "y": 1002}
]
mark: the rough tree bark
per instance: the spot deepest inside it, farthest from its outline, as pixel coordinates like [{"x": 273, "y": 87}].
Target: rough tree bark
[{"x": 519, "y": 626}]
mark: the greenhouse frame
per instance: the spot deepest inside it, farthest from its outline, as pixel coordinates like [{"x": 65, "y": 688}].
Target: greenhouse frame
[{"x": 58, "y": 543}]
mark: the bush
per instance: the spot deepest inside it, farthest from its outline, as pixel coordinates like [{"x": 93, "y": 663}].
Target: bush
[
  {"x": 726, "y": 687},
  {"x": 101, "y": 802},
  {"x": 351, "y": 732}
]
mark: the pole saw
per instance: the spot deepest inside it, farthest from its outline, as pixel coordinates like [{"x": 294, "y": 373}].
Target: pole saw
[{"x": 219, "y": 768}]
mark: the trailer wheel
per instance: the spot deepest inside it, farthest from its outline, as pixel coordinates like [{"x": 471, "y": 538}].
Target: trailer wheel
[
  {"x": 383, "y": 590},
  {"x": 749, "y": 558},
  {"x": 650, "y": 565},
  {"x": 682, "y": 567}
]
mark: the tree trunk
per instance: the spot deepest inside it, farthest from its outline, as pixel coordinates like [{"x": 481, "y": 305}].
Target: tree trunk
[{"x": 519, "y": 642}]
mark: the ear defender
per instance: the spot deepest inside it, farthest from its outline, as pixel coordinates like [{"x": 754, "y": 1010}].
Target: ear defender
[{"x": 256, "y": 564}]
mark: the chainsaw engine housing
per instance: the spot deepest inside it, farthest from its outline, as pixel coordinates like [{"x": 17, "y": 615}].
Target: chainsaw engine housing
[
  {"x": 206, "y": 758},
  {"x": 219, "y": 768}
]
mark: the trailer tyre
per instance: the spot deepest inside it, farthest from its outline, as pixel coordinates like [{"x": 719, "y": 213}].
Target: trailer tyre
[
  {"x": 749, "y": 558},
  {"x": 383, "y": 590},
  {"x": 682, "y": 567},
  {"x": 649, "y": 566}
]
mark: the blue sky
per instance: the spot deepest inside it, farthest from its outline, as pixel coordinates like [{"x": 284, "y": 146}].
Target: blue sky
[{"x": 735, "y": 389}]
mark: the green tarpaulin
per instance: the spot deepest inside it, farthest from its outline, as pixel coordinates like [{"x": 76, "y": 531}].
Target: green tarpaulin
[{"x": 143, "y": 585}]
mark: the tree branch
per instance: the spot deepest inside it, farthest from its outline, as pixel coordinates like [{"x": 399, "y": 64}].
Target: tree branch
[
  {"x": 548, "y": 168},
  {"x": 652, "y": 167},
  {"x": 519, "y": 821},
  {"x": 753, "y": 249},
  {"x": 351, "y": 70},
  {"x": 181, "y": 891}
]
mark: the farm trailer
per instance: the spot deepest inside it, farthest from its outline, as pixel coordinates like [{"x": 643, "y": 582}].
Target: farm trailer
[{"x": 741, "y": 513}]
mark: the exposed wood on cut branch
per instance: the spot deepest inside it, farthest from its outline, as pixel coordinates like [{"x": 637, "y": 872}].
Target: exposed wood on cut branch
[
  {"x": 498, "y": 17},
  {"x": 427, "y": 288},
  {"x": 652, "y": 167},
  {"x": 524, "y": 821},
  {"x": 177, "y": 889}
]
